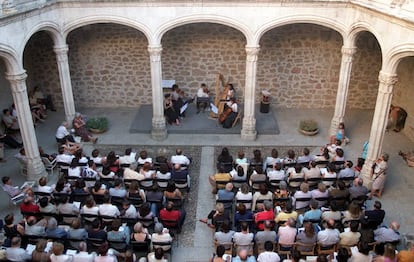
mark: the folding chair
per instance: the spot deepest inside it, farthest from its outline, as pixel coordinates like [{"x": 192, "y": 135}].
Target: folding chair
[{"x": 49, "y": 165}]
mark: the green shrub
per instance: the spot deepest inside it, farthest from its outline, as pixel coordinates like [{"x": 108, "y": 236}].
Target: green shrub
[
  {"x": 308, "y": 125},
  {"x": 99, "y": 123}
]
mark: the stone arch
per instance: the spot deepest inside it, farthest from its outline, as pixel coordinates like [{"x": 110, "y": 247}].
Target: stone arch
[
  {"x": 50, "y": 28},
  {"x": 329, "y": 23},
  {"x": 356, "y": 29},
  {"x": 202, "y": 19},
  {"x": 394, "y": 57},
  {"x": 108, "y": 19},
  {"x": 11, "y": 60}
]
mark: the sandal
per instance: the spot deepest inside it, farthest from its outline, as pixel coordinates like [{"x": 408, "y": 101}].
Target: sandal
[{"x": 203, "y": 221}]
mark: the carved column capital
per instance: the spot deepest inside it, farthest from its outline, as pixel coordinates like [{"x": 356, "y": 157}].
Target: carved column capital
[
  {"x": 16, "y": 81},
  {"x": 155, "y": 53},
  {"x": 387, "y": 82},
  {"x": 348, "y": 53},
  {"x": 61, "y": 53},
  {"x": 252, "y": 52}
]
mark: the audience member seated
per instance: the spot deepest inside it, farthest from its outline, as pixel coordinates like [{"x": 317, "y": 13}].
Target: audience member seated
[
  {"x": 351, "y": 237},
  {"x": 180, "y": 158},
  {"x": 157, "y": 256},
  {"x": 148, "y": 174},
  {"x": 103, "y": 255},
  {"x": 67, "y": 208},
  {"x": 83, "y": 255},
  {"x": 74, "y": 169},
  {"x": 340, "y": 195},
  {"x": 10, "y": 121},
  {"x": 34, "y": 228},
  {"x": 15, "y": 252},
  {"x": 268, "y": 234},
  {"x": 216, "y": 216},
  {"x": 70, "y": 148},
  {"x": 295, "y": 173},
  {"x": 243, "y": 238},
  {"x": 347, "y": 172},
  {"x": 320, "y": 192},
  {"x": 29, "y": 206},
  {"x": 261, "y": 195},
  {"x": 77, "y": 232},
  {"x": 328, "y": 173},
  {"x": 155, "y": 197},
  {"x": 286, "y": 213},
  {"x": 135, "y": 192},
  {"x": 80, "y": 129},
  {"x": 225, "y": 160},
  {"x": 257, "y": 178},
  {"x": 144, "y": 212},
  {"x": 242, "y": 214},
  {"x": 13, "y": 191},
  {"x": 343, "y": 255},
  {"x": 339, "y": 155},
  {"x": 161, "y": 235},
  {"x": 272, "y": 159},
  {"x": 302, "y": 193},
  {"x": 226, "y": 194},
  {"x": 178, "y": 173},
  {"x": 107, "y": 209},
  {"x": 375, "y": 216},
  {"x": 329, "y": 236},
  {"x": 99, "y": 189},
  {"x": 333, "y": 213},
  {"x": 276, "y": 173},
  {"x": 95, "y": 231},
  {"x": 242, "y": 256},
  {"x": 221, "y": 176},
  {"x": 140, "y": 233},
  {"x": 290, "y": 158},
  {"x": 264, "y": 215},
  {"x": 163, "y": 173},
  {"x": 238, "y": 176},
  {"x": 118, "y": 232},
  {"x": 46, "y": 206},
  {"x": 143, "y": 158},
  {"x": 281, "y": 195},
  {"x": 39, "y": 254},
  {"x": 129, "y": 157},
  {"x": 323, "y": 156},
  {"x": 11, "y": 230},
  {"x": 241, "y": 158},
  {"x": 97, "y": 158},
  {"x": 287, "y": 233},
  {"x": 10, "y": 141},
  {"x": 268, "y": 254},
  {"x": 62, "y": 134},
  {"x": 224, "y": 234},
  {"x": 312, "y": 215},
  {"x": 90, "y": 171},
  {"x": 117, "y": 190},
  {"x": 131, "y": 173},
  {"x": 63, "y": 157},
  {"x": 361, "y": 253},
  {"x": 128, "y": 210},
  {"x": 256, "y": 161},
  {"x": 43, "y": 187},
  {"x": 390, "y": 234},
  {"x": 168, "y": 213},
  {"x": 304, "y": 157},
  {"x": 172, "y": 191},
  {"x": 162, "y": 157},
  {"x": 107, "y": 174},
  {"x": 332, "y": 148},
  {"x": 354, "y": 212},
  {"x": 80, "y": 187},
  {"x": 112, "y": 162},
  {"x": 244, "y": 194},
  {"x": 52, "y": 229},
  {"x": 306, "y": 236},
  {"x": 312, "y": 172},
  {"x": 367, "y": 234}
]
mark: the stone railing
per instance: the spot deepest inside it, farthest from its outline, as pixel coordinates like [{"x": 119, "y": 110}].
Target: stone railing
[{"x": 400, "y": 8}]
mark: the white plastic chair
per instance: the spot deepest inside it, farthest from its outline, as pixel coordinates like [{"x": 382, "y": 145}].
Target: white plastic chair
[{"x": 49, "y": 165}]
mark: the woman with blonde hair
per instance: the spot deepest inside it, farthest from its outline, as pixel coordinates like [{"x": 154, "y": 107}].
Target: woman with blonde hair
[
  {"x": 39, "y": 255},
  {"x": 140, "y": 233}
]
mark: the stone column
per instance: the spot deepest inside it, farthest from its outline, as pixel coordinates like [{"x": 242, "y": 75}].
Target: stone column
[
  {"x": 65, "y": 82},
  {"x": 379, "y": 123},
  {"x": 35, "y": 168},
  {"x": 248, "y": 131},
  {"x": 159, "y": 129},
  {"x": 343, "y": 86}
]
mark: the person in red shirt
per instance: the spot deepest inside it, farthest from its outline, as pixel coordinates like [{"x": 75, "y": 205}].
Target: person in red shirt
[
  {"x": 266, "y": 214},
  {"x": 28, "y": 206},
  {"x": 168, "y": 213}
]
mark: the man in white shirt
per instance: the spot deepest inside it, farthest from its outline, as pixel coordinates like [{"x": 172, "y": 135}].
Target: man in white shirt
[
  {"x": 107, "y": 209},
  {"x": 62, "y": 157},
  {"x": 202, "y": 98},
  {"x": 129, "y": 211},
  {"x": 268, "y": 255},
  {"x": 15, "y": 252},
  {"x": 179, "y": 158},
  {"x": 62, "y": 133},
  {"x": 83, "y": 255},
  {"x": 43, "y": 187},
  {"x": 128, "y": 158},
  {"x": 330, "y": 235}
]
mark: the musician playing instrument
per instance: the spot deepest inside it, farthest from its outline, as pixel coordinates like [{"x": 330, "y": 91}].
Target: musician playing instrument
[
  {"x": 169, "y": 111},
  {"x": 202, "y": 98},
  {"x": 229, "y": 114}
]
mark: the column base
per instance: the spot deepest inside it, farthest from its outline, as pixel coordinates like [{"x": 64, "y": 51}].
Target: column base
[
  {"x": 366, "y": 174},
  {"x": 35, "y": 170},
  {"x": 159, "y": 129},
  {"x": 334, "y": 126},
  {"x": 248, "y": 131}
]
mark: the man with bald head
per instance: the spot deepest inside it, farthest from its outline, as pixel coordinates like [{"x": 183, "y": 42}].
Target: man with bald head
[
  {"x": 226, "y": 194},
  {"x": 358, "y": 189},
  {"x": 179, "y": 158},
  {"x": 388, "y": 234},
  {"x": 329, "y": 236},
  {"x": 243, "y": 257}
]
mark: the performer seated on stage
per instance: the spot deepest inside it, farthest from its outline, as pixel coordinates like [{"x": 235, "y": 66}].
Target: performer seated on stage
[
  {"x": 169, "y": 112},
  {"x": 231, "y": 93},
  {"x": 229, "y": 114},
  {"x": 202, "y": 98}
]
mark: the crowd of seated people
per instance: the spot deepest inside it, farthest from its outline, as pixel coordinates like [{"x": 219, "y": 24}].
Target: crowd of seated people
[
  {"x": 310, "y": 204},
  {"x": 108, "y": 209}
]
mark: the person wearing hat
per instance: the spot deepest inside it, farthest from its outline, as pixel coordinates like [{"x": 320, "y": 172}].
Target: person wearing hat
[{"x": 169, "y": 112}]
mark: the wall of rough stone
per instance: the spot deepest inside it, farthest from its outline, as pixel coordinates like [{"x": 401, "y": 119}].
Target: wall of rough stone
[
  {"x": 299, "y": 64},
  {"x": 5, "y": 91},
  {"x": 404, "y": 92}
]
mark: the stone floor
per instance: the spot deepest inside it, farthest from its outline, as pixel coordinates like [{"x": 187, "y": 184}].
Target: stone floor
[{"x": 197, "y": 245}]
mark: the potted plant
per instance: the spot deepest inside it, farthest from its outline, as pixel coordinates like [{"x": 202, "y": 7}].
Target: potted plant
[
  {"x": 97, "y": 124},
  {"x": 308, "y": 127}
]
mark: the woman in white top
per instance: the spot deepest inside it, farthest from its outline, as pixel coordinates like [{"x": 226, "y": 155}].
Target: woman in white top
[
  {"x": 147, "y": 173},
  {"x": 245, "y": 194},
  {"x": 328, "y": 172},
  {"x": 74, "y": 170}
]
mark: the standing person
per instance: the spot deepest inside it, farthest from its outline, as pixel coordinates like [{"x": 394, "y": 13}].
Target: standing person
[
  {"x": 169, "y": 111},
  {"x": 229, "y": 114},
  {"x": 80, "y": 129},
  {"x": 378, "y": 174},
  {"x": 203, "y": 98},
  {"x": 396, "y": 118}
]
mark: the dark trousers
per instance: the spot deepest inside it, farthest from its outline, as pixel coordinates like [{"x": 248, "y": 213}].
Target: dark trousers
[{"x": 10, "y": 141}]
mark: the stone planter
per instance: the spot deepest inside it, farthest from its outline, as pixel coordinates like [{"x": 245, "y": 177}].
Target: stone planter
[
  {"x": 97, "y": 131},
  {"x": 309, "y": 133}
]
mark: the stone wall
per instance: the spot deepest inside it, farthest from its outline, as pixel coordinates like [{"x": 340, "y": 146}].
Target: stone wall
[
  {"x": 403, "y": 93},
  {"x": 299, "y": 64}
]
